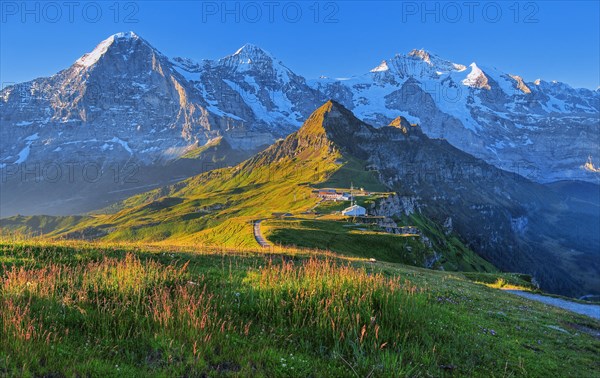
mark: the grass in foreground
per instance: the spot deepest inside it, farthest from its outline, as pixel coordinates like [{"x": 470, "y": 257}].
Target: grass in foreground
[{"x": 104, "y": 311}]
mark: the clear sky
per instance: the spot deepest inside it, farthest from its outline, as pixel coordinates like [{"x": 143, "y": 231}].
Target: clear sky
[{"x": 551, "y": 40}]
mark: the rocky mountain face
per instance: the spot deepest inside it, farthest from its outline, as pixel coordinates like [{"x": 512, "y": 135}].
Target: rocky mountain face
[
  {"x": 114, "y": 123},
  {"x": 255, "y": 88},
  {"x": 544, "y": 131},
  {"x": 126, "y": 103},
  {"x": 515, "y": 223},
  {"x": 122, "y": 100}
]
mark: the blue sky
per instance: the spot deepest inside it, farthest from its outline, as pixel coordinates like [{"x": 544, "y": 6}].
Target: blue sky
[{"x": 547, "y": 39}]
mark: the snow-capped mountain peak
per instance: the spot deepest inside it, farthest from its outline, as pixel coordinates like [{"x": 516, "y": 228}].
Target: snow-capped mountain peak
[
  {"x": 91, "y": 58},
  {"x": 382, "y": 67},
  {"x": 126, "y": 88},
  {"x": 126, "y": 35},
  {"x": 250, "y": 52},
  {"x": 435, "y": 61},
  {"x": 418, "y": 63},
  {"x": 476, "y": 78},
  {"x": 421, "y": 54},
  {"x": 248, "y": 57}
]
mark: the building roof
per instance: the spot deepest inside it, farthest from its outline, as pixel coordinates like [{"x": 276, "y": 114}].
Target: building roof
[{"x": 354, "y": 208}]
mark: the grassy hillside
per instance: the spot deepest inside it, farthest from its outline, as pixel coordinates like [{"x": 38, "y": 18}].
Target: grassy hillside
[
  {"x": 347, "y": 238},
  {"x": 94, "y": 310},
  {"x": 456, "y": 256},
  {"x": 353, "y": 171},
  {"x": 36, "y": 225},
  {"x": 342, "y": 236},
  {"x": 215, "y": 208}
]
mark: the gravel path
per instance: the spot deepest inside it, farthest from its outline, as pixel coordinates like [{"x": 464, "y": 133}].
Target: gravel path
[
  {"x": 260, "y": 239},
  {"x": 591, "y": 310}
]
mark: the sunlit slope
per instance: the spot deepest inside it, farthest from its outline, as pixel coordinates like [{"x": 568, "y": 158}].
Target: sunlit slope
[
  {"x": 216, "y": 207},
  {"x": 90, "y": 310},
  {"x": 440, "y": 251}
]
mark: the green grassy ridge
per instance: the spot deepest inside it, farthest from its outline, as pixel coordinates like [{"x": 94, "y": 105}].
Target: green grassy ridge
[
  {"x": 275, "y": 180},
  {"x": 345, "y": 238},
  {"x": 210, "y": 201},
  {"x": 353, "y": 171},
  {"x": 456, "y": 255},
  {"x": 278, "y": 179},
  {"x": 338, "y": 237},
  {"x": 268, "y": 317},
  {"x": 36, "y": 225}
]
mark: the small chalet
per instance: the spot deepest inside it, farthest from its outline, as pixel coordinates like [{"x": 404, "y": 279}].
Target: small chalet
[{"x": 329, "y": 194}]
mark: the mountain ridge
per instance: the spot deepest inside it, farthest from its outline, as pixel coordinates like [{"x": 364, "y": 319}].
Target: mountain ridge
[{"x": 143, "y": 107}]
